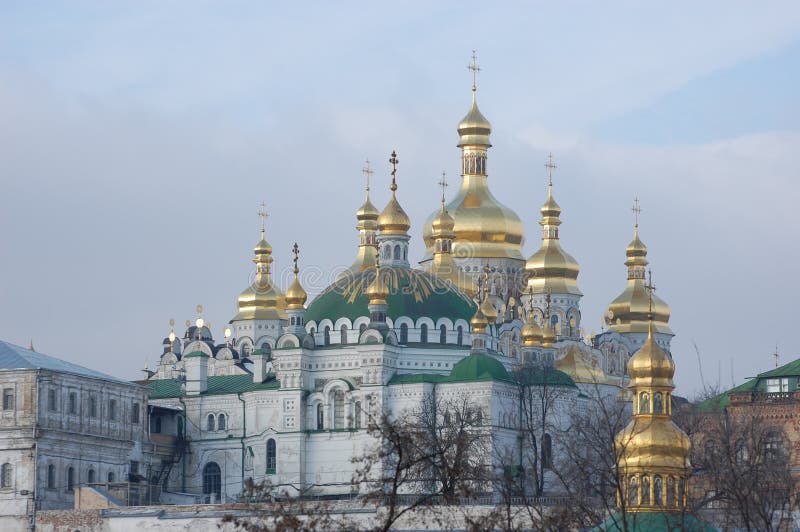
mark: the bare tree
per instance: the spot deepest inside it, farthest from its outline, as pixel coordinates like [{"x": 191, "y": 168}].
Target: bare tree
[
  {"x": 430, "y": 455},
  {"x": 742, "y": 467}
]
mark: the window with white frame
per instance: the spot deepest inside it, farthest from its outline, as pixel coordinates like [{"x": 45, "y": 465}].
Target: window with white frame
[{"x": 778, "y": 385}]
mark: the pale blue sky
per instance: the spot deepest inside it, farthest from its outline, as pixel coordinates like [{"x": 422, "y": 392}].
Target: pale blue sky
[{"x": 138, "y": 138}]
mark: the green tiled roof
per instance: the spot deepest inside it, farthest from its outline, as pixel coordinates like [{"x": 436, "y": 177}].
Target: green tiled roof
[
  {"x": 758, "y": 383},
  {"x": 412, "y": 293},
  {"x": 478, "y": 368},
  {"x": 543, "y": 376},
  {"x": 220, "y": 385},
  {"x": 655, "y": 522}
]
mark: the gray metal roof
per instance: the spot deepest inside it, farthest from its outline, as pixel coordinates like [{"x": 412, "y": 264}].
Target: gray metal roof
[{"x": 16, "y": 357}]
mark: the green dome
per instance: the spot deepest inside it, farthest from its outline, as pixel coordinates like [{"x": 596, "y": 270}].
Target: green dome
[
  {"x": 412, "y": 293},
  {"x": 478, "y": 368},
  {"x": 543, "y": 376}
]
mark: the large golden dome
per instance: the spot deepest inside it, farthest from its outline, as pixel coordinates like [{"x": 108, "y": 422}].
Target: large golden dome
[
  {"x": 484, "y": 227},
  {"x": 628, "y": 313},
  {"x": 551, "y": 269},
  {"x": 651, "y": 366},
  {"x": 394, "y": 220}
]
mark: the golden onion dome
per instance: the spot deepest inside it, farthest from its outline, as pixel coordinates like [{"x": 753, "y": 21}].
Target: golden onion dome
[
  {"x": 261, "y": 300},
  {"x": 629, "y": 311},
  {"x": 488, "y": 310},
  {"x": 548, "y": 335},
  {"x": 393, "y": 220},
  {"x": 442, "y": 226},
  {"x": 479, "y": 322},
  {"x": 574, "y": 364},
  {"x": 550, "y": 268},
  {"x": 367, "y": 211},
  {"x": 651, "y": 366},
  {"x": 531, "y": 334},
  {"x": 377, "y": 292},
  {"x": 654, "y": 445},
  {"x": 474, "y": 129},
  {"x": 296, "y": 296},
  {"x": 263, "y": 247}
]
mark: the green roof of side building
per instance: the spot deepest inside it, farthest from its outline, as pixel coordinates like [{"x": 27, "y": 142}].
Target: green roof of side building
[
  {"x": 790, "y": 371},
  {"x": 220, "y": 385}
]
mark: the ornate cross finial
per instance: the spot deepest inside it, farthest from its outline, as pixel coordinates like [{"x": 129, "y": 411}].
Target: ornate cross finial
[
  {"x": 367, "y": 171},
  {"x": 636, "y": 211},
  {"x": 263, "y": 214},
  {"x": 650, "y": 289},
  {"x": 443, "y": 184},
  {"x": 296, "y": 253},
  {"x": 393, "y": 160},
  {"x": 530, "y": 302},
  {"x": 475, "y": 69},
  {"x": 550, "y": 166}
]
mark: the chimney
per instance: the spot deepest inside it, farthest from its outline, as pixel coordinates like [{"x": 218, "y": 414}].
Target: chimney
[{"x": 261, "y": 358}]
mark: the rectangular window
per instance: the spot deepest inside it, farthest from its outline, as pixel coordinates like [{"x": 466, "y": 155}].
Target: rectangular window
[
  {"x": 52, "y": 405},
  {"x": 134, "y": 467},
  {"x": 778, "y": 385},
  {"x": 8, "y": 399},
  {"x": 92, "y": 406},
  {"x": 135, "y": 413},
  {"x": 73, "y": 403},
  {"x": 112, "y": 409}
]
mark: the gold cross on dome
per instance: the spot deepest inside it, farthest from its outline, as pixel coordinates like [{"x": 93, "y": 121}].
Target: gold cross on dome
[
  {"x": 475, "y": 69},
  {"x": 550, "y": 166},
  {"x": 443, "y": 184},
  {"x": 650, "y": 288},
  {"x": 636, "y": 211},
  {"x": 263, "y": 214},
  {"x": 393, "y": 160},
  {"x": 296, "y": 253},
  {"x": 367, "y": 171}
]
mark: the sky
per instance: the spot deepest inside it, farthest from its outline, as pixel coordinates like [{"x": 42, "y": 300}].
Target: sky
[{"x": 137, "y": 140}]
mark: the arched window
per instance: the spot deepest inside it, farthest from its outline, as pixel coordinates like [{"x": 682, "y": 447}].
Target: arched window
[
  {"x": 327, "y": 336},
  {"x": 773, "y": 446},
  {"x": 91, "y": 477},
  {"x": 221, "y": 422},
  {"x": 658, "y": 403},
  {"x": 658, "y": 491},
  {"x": 210, "y": 423},
  {"x": 670, "y": 491},
  {"x": 423, "y": 333},
  {"x": 397, "y": 252},
  {"x": 405, "y": 253},
  {"x": 6, "y": 476},
  {"x": 357, "y": 415},
  {"x": 645, "y": 490},
  {"x": 362, "y": 328},
  {"x": 51, "y": 400},
  {"x": 547, "y": 451},
  {"x": 633, "y": 492},
  {"x": 644, "y": 403},
  {"x": 111, "y": 476},
  {"x": 404, "y": 333},
  {"x": 70, "y": 478},
  {"x": 338, "y": 409},
  {"x": 212, "y": 480},
  {"x": 442, "y": 334},
  {"x": 51, "y": 477},
  {"x": 343, "y": 338},
  {"x": 387, "y": 252},
  {"x": 272, "y": 457},
  {"x": 460, "y": 339},
  {"x": 320, "y": 417}
]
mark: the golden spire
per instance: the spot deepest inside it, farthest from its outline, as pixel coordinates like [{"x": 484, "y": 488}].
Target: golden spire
[
  {"x": 295, "y": 295},
  {"x": 548, "y": 335},
  {"x": 394, "y": 220},
  {"x": 486, "y": 306},
  {"x": 377, "y": 292},
  {"x": 367, "y": 211},
  {"x": 628, "y": 313},
  {"x": 531, "y": 332},
  {"x": 367, "y": 216},
  {"x": 653, "y": 451},
  {"x": 551, "y": 268},
  {"x": 479, "y": 321},
  {"x": 262, "y": 300}
]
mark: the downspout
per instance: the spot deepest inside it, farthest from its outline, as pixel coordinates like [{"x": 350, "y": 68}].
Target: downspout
[
  {"x": 35, "y": 490},
  {"x": 185, "y": 444},
  {"x": 244, "y": 431}
]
